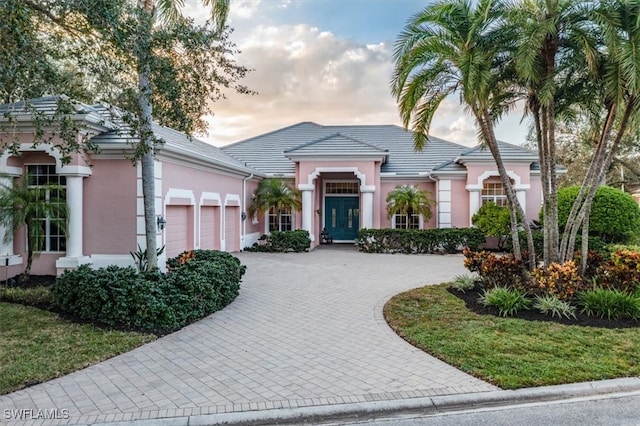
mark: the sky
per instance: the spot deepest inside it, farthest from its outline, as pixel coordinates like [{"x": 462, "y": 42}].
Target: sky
[{"x": 326, "y": 61}]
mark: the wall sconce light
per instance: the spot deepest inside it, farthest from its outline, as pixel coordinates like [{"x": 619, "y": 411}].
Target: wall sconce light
[
  {"x": 161, "y": 223},
  {"x": 243, "y": 215}
]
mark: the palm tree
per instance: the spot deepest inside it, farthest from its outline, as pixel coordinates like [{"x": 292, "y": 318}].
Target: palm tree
[
  {"x": 459, "y": 46},
  {"x": 409, "y": 200},
  {"x": 24, "y": 205},
  {"x": 556, "y": 52},
  {"x": 274, "y": 194},
  {"x": 619, "y": 67},
  {"x": 149, "y": 10}
]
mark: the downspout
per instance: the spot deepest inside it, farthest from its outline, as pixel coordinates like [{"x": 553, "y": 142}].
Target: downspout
[{"x": 244, "y": 208}]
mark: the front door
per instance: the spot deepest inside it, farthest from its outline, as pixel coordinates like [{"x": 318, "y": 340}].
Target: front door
[{"x": 342, "y": 218}]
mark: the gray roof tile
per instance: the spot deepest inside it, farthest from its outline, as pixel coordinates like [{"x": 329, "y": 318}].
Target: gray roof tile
[{"x": 266, "y": 152}]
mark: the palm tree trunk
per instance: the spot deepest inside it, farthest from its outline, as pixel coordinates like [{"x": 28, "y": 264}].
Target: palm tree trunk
[
  {"x": 146, "y": 133},
  {"x": 602, "y": 167},
  {"x": 573, "y": 224},
  {"x": 515, "y": 209}
]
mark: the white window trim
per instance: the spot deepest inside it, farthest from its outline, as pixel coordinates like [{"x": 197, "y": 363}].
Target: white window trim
[
  {"x": 47, "y": 225},
  {"x": 420, "y": 221}
]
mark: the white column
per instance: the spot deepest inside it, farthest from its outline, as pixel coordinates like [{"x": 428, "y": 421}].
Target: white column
[
  {"x": 521, "y": 195},
  {"x": 6, "y": 247},
  {"x": 474, "y": 202},
  {"x": 307, "y": 208},
  {"x": 367, "y": 206},
  {"x": 74, "y": 201}
]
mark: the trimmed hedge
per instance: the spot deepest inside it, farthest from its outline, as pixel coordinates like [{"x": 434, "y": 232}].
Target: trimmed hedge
[
  {"x": 614, "y": 218},
  {"x": 198, "y": 283},
  {"x": 282, "y": 242},
  {"x": 414, "y": 241}
]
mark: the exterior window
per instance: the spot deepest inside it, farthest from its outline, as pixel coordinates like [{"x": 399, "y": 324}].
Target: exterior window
[
  {"x": 401, "y": 221},
  {"x": 280, "y": 222},
  {"x": 494, "y": 191},
  {"x": 53, "y": 238},
  {"x": 341, "y": 188}
]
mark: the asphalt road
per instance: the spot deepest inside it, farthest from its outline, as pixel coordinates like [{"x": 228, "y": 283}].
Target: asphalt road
[{"x": 621, "y": 409}]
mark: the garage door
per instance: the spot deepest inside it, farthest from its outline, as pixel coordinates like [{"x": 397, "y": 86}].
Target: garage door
[
  {"x": 176, "y": 232},
  {"x": 209, "y": 228},
  {"x": 232, "y": 230}
]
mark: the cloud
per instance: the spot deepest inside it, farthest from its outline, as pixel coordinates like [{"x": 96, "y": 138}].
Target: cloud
[{"x": 304, "y": 74}]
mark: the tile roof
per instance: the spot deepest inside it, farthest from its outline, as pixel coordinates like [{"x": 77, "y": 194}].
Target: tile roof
[
  {"x": 48, "y": 106},
  {"x": 267, "y": 152},
  {"x": 116, "y": 132},
  {"x": 336, "y": 144}
]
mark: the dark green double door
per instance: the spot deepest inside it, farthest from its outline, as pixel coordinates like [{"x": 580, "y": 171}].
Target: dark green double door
[{"x": 342, "y": 218}]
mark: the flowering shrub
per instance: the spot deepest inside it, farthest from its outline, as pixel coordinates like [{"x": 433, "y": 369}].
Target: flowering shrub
[
  {"x": 559, "y": 280},
  {"x": 495, "y": 271},
  {"x": 621, "y": 271}
]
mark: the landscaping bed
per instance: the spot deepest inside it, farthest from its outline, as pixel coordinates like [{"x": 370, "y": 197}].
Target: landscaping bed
[
  {"x": 511, "y": 352},
  {"x": 471, "y": 299}
]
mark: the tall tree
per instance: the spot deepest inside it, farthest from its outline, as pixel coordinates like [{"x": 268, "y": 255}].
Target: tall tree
[
  {"x": 149, "y": 12},
  {"x": 154, "y": 63},
  {"x": 459, "y": 46},
  {"x": 552, "y": 35},
  {"x": 618, "y": 79},
  {"x": 409, "y": 200}
]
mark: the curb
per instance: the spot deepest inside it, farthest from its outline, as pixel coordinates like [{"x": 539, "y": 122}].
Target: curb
[{"x": 425, "y": 405}]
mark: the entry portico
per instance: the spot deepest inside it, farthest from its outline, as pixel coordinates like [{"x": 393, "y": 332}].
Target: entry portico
[{"x": 338, "y": 176}]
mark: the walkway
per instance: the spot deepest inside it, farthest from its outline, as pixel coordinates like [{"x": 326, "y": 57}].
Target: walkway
[{"x": 306, "y": 330}]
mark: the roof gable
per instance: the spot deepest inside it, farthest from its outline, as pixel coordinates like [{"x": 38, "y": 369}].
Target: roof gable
[{"x": 336, "y": 144}]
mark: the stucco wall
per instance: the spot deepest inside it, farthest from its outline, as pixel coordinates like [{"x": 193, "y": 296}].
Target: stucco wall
[
  {"x": 109, "y": 206},
  {"x": 389, "y": 185},
  {"x": 193, "y": 185}
]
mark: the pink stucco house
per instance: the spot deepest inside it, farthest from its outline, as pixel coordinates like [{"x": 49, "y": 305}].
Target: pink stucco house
[{"x": 202, "y": 192}]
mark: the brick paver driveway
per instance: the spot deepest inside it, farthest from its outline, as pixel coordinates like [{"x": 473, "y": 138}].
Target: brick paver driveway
[{"x": 307, "y": 329}]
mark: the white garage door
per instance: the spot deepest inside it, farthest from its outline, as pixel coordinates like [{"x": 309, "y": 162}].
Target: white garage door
[
  {"x": 176, "y": 232},
  {"x": 232, "y": 230}
]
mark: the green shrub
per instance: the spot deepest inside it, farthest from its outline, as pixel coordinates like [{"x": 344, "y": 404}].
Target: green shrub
[
  {"x": 509, "y": 301},
  {"x": 614, "y": 218},
  {"x": 610, "y": 304},
  {"x": 198, "y": 283},
  {"x": 493, "y": 221},
  {"x": 116, "y": 297},
  {"x": 417, "y": 241},
  {"x": 40, "y": 297},
  {"x": 462, "y": 283},
  {"x": 282, "y": 242},
  {"x": 548, "y": 304}
]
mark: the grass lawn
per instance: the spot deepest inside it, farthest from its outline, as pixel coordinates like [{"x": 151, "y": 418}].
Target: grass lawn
[
  {"x": 511, "y": 353},
  {"x": 37, "y": 345}
]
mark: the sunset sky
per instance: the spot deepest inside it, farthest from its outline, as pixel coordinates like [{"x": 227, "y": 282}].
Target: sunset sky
[{"x": 327, "y": 61}]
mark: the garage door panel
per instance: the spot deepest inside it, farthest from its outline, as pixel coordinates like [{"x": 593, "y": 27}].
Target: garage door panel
[
  {"x": 176, "y": 231},
  {"x": 208, "y": 228},
  {"x": 232, "y": 232}
]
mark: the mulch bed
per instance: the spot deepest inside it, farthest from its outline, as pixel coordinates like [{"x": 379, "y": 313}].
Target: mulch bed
[
  {"x": 470, "y": 298},
  {"x": 31, "y": 281}
]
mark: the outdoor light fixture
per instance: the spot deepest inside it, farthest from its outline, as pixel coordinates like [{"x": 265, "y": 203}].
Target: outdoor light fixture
[
  {"x": 161, "y": 222},
  {"x": 243, "y": 215}
]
